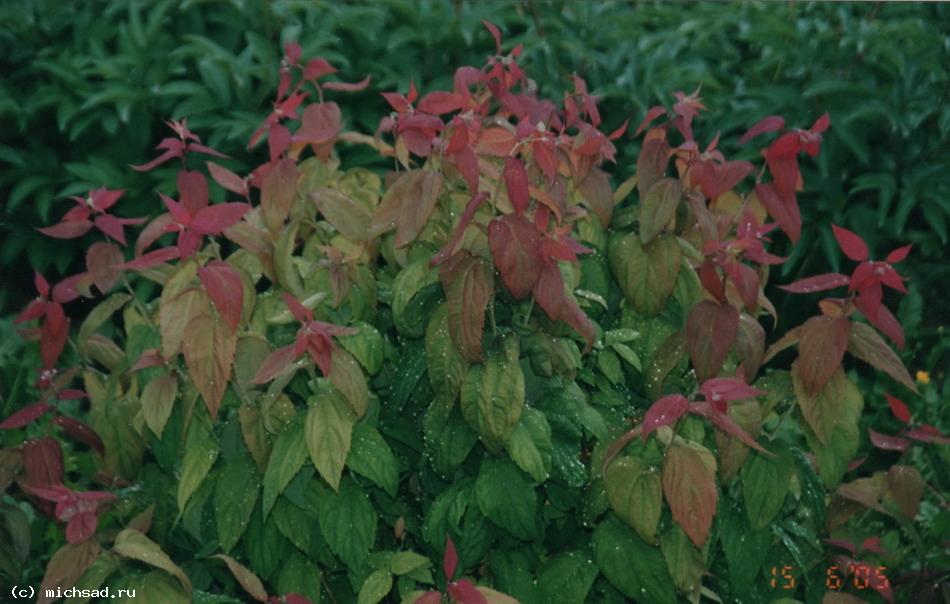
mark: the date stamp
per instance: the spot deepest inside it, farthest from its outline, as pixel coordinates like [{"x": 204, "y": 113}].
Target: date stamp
[{"x": 862, "y": 576}]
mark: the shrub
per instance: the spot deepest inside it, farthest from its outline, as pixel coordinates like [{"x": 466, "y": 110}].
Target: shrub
[{"x": 490, "y": 373}]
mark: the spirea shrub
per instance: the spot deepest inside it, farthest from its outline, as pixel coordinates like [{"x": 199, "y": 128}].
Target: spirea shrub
[{"x": 486, "y": 376}]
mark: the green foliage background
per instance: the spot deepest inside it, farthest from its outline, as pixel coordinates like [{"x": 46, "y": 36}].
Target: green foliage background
[{"x": 86, "y": 87}]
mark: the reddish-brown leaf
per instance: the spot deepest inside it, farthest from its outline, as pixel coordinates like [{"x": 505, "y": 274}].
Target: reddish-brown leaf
[
  {"x": 227, "y": 179},
  {"x": 26, "y": 415},
  {"x": 817, "y": 283},
  {"x": 214, "y": 219},
  {"x": 746, "y": 281},
  {"x": 276, "y": 363},
  {"x": 209, "y": 346},
  {"x": 42, "y": 462},
  {"x": 469, "y": 286},
  {"x": 248, "y": 580},
  {"x": 193, "y": 188},
  {"x": 689, "y": 483},
  {"x": 66, "y": 567},
  {"x": 225, "y": 288},
  {"x": 348, "y": 216},
  {"x": 450, "y": 559},
  {"x": 67, "y": 230},
  {"x": 658, "y": 207},
  {"x": 417, "y": 205},
  {"x": 905, "y": 486},
  {"x": 651, "y": 164},
  {"x": 898, "y": 408},
  {"x": 82, "y": 432},
  {"x": 820, "y": 350},
  {"x": 277, "y": 194},
  {"x": 867, "y": 345},
  {"x": 771, "y": 123},
  {"x": 516, "y": 183},
  {"x": 514, "y": 243},
  {"x": 664, "y": 412},
  {"x": 599, "y": 197},
  {"x": 439, "y": 102},
  {"x": 467, "y": 215},
  {"x": 103, "y": 262},
  {"x": 850, "y": 243},
  {"x": 888, "y": 442},
  {"x": 711, "y": 328},
  {"x": 783, "y": 209}
]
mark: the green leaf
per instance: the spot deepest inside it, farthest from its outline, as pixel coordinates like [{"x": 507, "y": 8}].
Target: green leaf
[
  {"x": 287, "y": 457},
  {"x": 745, "y": 549},
  {"x": 635, "y": 494},
  {"x": 447, "y": 367},
  {"x": 567, "y": 577},
  {"x": 765, "y": 482},
  {"x": 635, "y": 568},
  {"x": 609, "y": 365},
  {"x": 132, "y": 544},
  {"x": 506, "y": 498},
  {"x": 658, "y": 208},
  {"x": 348, "y": 378},
  {"x": 348, "y": 522},
  {"x": 492, "y": 395},
  {"x": 406, "y": 562},
  {"x": 530, "y": 444},
  {"x": 410, "y": 281},
  {"x": 234, "y": 498},
  {"x": 448, "y": 438},
  {"x": 375, "y": 587},
  {"x": 201, "y": 451},
  {"x": 328, "y": 432},
  {"x": 646, "y": 273},
  {"x": 836, "y": 405},
  {"x": 628, "y": 355},
  {"x": 686, "y": 564},
  {"x": 301, "y": 576},
  {"x": 98, "y": 316},
  {"x": 158, "y": 398},
  {"x": 865, "y": 344},
  {"x": 366, "y": 346},
  {"x": 370, "y": 456}
]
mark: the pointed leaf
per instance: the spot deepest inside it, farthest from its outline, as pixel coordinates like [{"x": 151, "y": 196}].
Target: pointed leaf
[
  {"x": 328, "y": 432},
  {"x": 689, "y": 483},
  {"x": 711, "y": 328},
  {"x": 469, "y": 286},
  {"x": 225, "y": 288},
  {"x": 821, "y": 349},
  {"x": 867, "y": 345},
  {"x": 658, "y": 208},
  {"x": 635, "y": 494}
]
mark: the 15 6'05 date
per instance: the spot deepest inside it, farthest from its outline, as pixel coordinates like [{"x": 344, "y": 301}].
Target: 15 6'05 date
[{"x": 862, "y": 576}]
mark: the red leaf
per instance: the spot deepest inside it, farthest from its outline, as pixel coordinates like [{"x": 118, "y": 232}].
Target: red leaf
[
  {"x": 468, "y": 282},
  {"x": 227, "y": 179},
  {"x": 664, "y": 412},
  {"x": 821, "y": 124},
  {"x": 711, "y": 280},
  {"x": 317, "y": 68},
  {"x": 689, "y": 483},
  {"x": 348, "y": 86},
  {"x": 103, "y": 261},
  {"x": 495, "y": 33},
  {"x": 514, "y": 244},
  {"x": 888, "y": 442},
  {"x": 26, "y": 415},
  {"x": 746, "y": 280},
  {"x": 463, "y": 592},
  {"x": 770, "y": 123},
  {"x": 278, "y": 139},
  {"x": 653, "y": 113},
  {"x": 225, "y": 288},
  {"x": 728, "y": 390},
  {"x": 516, "y": 182},
  {"x": 152, "y": 259},
  {"x": 214, "y": 219},
  {"x": 430, "y": 597},
  {"x": 783, "y": 209},
  {"x": 928, "y": 434},
  {"x": 81, "y": 527},
  {"x": 820, "y": 350},
  {"x": 711, "y": 328},
  {"x": 817, "y": 283},
  {"x": 81, "y": 432},
  {"x": 726, "y": 424},
  {"x": 275, "y": 364},
  {"x": 440, "y": 102},
  {"x": 42, "y": 462},
  {"x": 193, "y": 190},
  {"x": 898, "y": 255},
  {"x": 898, "y": 408},
  {"x": 849, "y": 242},
  {"x": 161, "y": 159},
  {"x": 298, "y": 310},
  {"x": 450, "y": 559},
  {"x": 67, "y": 230},
  {"x": 467, "y": 215},
  {"x": 887, "y": 323}
]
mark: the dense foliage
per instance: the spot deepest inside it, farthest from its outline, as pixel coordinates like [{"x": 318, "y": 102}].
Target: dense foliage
[{"x": 490, "y": 372}]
